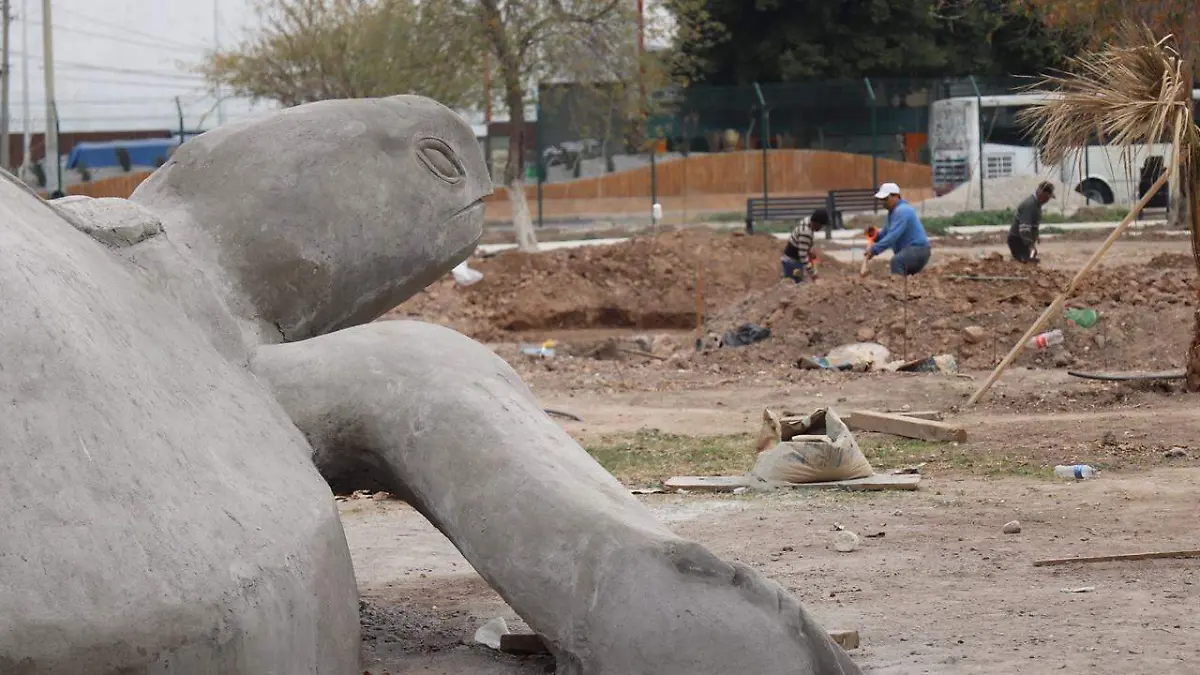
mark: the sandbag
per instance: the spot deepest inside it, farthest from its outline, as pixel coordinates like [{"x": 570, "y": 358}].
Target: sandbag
[{"x": 816, "y": 448}]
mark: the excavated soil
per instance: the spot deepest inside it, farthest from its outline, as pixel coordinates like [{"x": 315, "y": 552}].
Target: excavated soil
[
  {"x": 648, "y": 285},
  {"x": 1141, "y": 307},
  {"x": 648, "y": 282}
]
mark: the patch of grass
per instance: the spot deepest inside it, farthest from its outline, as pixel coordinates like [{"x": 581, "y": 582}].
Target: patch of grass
[
  {"x": 1006, "y": 216},
  {"x": 726, "y": 217},
  {"x": 886, "y": 453},
  {"x": 651, "y": 456}
]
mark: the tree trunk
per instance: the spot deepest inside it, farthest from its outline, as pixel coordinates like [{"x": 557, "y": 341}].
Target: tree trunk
[
  {"x": 514, "y": 171},
  {"x": 1191, "y": 199}
]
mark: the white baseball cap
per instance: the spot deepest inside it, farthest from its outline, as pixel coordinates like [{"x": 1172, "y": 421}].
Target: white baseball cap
[{"x": 886, "y": 190}]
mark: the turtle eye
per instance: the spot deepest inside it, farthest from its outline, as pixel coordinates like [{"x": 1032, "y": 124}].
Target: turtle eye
[{"x": 440, "y": 159}]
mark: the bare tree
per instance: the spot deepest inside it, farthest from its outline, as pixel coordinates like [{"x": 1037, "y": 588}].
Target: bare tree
[{"x": 312, "y": 50}]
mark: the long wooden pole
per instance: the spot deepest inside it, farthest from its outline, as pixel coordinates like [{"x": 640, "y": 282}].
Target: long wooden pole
[{"x": 1056, "y": 306}]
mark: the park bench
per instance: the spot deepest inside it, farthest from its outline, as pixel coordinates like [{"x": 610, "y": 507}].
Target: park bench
[
  {"x": 855, "y": 200},
  {"x": 759, "y": 210}
]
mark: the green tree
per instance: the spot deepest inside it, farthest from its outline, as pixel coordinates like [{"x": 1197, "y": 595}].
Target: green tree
[{"x": 787, "y": 40}]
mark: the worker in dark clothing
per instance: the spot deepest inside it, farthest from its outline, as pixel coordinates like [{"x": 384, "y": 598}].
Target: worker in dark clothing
[
  {"x": 797, "y": 259},
  {"x": 1023, "y": 236}
]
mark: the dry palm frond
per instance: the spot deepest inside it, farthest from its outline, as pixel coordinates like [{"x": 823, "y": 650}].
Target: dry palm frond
[{"x": 1134, "y": 91}]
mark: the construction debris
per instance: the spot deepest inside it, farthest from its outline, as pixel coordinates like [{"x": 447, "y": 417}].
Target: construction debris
[
  {"x": 1152, "y": 555},
  {"x": 812, "y": 449},
  {"x": 904, "y": 425},
  {"x": 878, "y": 482}
]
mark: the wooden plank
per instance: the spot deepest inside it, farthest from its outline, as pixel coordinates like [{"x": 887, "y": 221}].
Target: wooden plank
[
  {"x": 1131, "y": 376},
  {"x": 714, "y": 483},
  {"x": 731, "y": 483},
  {"x": 903, "y": 425},
  {"x": 523, "y": 643},
  {"x": 1151, "y": 555},
  {"x": 532, "y": 643}
]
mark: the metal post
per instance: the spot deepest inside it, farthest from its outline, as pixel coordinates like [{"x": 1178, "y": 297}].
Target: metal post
[
  {"x": 979, "y": 134},
  {"x": 653, "y": 175},
  {"x": 874, "y": 134},
  {"x": 5, "y": 149},
  {"x": 54, "y": 171},
  {"x": 1087, "y": 171},
  {"x": 766, "y": 140},
  {"x": 541, "y": 165},
  {"x": 179, "y": 109},
  {"x": 57, "y": 161},
  {"x": 26, "y": 134}
]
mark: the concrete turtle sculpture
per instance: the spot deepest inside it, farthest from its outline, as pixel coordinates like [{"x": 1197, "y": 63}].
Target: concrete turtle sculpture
[{"x": 185, "y": 372}]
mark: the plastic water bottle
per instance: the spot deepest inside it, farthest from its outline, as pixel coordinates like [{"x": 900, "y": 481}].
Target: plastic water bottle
[
  {"x": 1054, "y": 337},
  {"x": 1076, "y": 472}
]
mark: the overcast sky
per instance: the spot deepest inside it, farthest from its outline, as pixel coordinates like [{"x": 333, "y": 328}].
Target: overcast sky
[{"x": 119, "y": 64}]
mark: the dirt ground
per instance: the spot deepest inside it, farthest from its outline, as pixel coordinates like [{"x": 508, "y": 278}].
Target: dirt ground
[{"x": 938, "y": 588}]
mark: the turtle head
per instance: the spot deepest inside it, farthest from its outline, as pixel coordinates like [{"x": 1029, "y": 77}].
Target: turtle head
[{"x": 326, "y": 215}]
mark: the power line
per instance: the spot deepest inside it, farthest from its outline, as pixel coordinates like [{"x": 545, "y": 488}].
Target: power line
[
  {"x": 177, "y": 87},
  {"x": 125, "y": 40},
  {"x": 137, "y": 72},
  {"x": 89, "y": 19}
]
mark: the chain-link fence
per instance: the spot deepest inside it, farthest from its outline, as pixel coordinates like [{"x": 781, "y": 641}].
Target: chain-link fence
[{"x": 700, "y": 152}]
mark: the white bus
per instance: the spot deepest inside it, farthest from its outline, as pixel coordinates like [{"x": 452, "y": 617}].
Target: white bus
[{"x": 1103, "y": 174}]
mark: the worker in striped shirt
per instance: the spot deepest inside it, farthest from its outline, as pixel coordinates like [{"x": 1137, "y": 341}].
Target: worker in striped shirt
[{"x": 797, "y": 259}]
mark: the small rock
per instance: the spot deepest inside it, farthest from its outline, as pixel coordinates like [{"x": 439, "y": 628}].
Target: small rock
[
  {"x": 381, "y": 496},
  {"x": 1012, "y": 527},
  {"x": 1063, "y": 359},
  {"x": 940, "y": 324},
  {"x": 974, "y": 334},
  {"x": 845, "y": 541},
  {"x": 1176, "y": 453},
  {"x": 865, "y": 334}
]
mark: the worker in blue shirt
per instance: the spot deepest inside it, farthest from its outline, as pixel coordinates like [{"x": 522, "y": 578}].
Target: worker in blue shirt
[{"x": 903, "y": 233}]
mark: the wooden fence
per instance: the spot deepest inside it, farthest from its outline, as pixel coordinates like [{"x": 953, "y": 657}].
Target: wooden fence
[
  {"x": 116, "y": 186},
  {"x": 702, "y": 183},
  {"x": 740, "y": 173}
]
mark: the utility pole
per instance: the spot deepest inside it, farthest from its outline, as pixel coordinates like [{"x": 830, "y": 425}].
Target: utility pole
[
  {"x": 216, "y": 48},
  {"x": 5, "y": 148},
  {"x": 26, "y": 133},
  {"x": 54, "y": 168}
]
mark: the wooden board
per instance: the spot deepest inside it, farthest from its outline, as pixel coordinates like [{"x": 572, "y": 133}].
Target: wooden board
[
  {"x": 903, "y": 425},
  {"x": 1131, "y": 376},
  {"x": 532, "y": 643},
  {"x": 731, "y": 483},
  {"x": 1152, "y": 555}
]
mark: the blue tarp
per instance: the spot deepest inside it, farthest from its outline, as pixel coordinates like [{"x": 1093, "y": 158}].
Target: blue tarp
[{"x": 142, "y": 152}]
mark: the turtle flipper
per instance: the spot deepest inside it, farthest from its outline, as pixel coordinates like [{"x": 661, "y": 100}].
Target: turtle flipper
[{"x": 443, "y": 422}]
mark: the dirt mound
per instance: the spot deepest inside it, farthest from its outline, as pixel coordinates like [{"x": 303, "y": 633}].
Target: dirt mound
[
  {"x": 1145, "y": 320},
  {"x": 1165, "y": 260},
  {"x": 647, "y": 282}
]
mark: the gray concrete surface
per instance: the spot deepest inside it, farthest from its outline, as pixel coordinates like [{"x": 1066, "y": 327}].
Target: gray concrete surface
[
  {"x": 443, "y": 422},
  {"x": 164, "y": 514},
  {"x": 273, "y": 210},
  {"x": 159, "y": 512}
]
